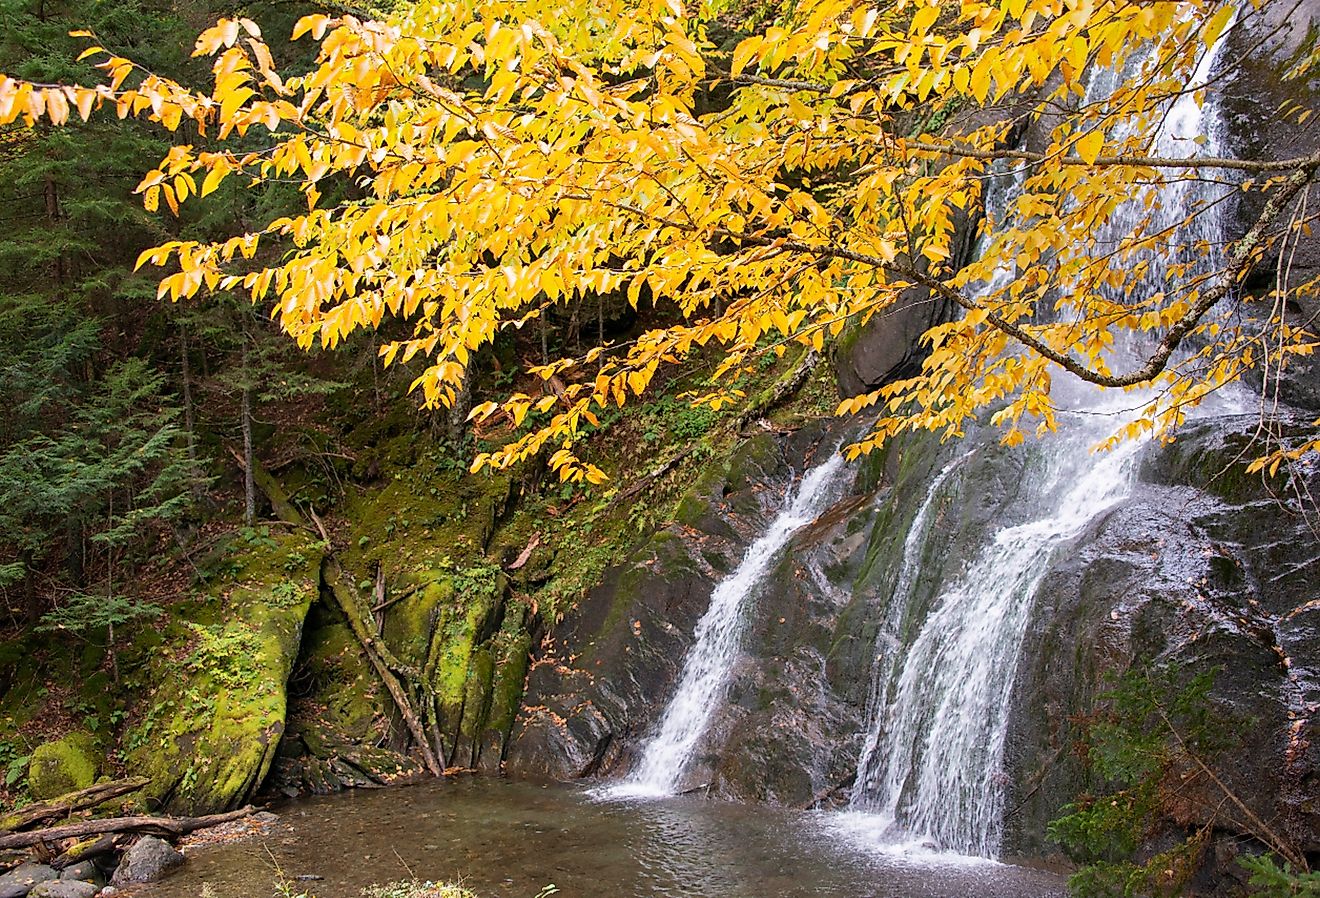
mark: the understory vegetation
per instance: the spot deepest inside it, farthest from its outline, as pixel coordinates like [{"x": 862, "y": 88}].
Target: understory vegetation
[{"x": 1156, "y": 738}]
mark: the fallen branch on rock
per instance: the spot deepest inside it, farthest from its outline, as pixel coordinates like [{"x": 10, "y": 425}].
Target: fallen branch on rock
[
  {"x": 155, "y": 826},
  {"x": 85, "y": 850},
  {"x": 378, "y": 654},
  {"x": 70, "y": 803},
  {"x": 780, "y": 392}
]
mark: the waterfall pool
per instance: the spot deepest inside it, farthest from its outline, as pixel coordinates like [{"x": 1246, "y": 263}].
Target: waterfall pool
[{"x": 506, "y": 839}]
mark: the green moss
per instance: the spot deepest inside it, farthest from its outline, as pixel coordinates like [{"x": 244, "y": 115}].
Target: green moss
[
  {"x": 340, "y": 678},
  {"x": 452, "y": 645},
  {"x": 409, "y": 623},
  {"x": 63, "y": 766},
  {"x": 510, "y": 678},
  {"x": 210, "y": 733},
  {"x": 477, "y": 694}
]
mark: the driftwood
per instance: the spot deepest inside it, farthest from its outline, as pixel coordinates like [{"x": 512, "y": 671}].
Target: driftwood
[
  {"x": 156, "y": 826},
  {"x": 70, "y": 803}
]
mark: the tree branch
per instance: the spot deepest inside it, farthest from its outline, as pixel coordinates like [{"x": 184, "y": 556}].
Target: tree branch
[{"x": 1247, "y": 165}]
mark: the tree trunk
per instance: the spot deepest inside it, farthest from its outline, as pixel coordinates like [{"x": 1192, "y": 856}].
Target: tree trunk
[
  {"x": 189, "y": 422},
  {"x": 70, "y": 803},
  {"x": 458, "y": 412},
  {"x": 249, "y": 487},
  {"x": 51, "y": 195},
  {"x": 110, "y": 598}
]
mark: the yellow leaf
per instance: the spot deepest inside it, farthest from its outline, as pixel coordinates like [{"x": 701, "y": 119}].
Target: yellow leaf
[
  {"x": 1089, "y": 146},
  {"x": 212, "y": 180}
]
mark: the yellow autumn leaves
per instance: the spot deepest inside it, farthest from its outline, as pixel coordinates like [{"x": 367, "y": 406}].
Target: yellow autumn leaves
[{"x": 510, "y": 158}]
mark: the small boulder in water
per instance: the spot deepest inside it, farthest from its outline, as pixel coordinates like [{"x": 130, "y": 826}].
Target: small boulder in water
[
  {"x": 64, "y": 888},
  {"x": 85, "y": 871},
  {"x": 148, "y": 860},
  {"x": 21, "y": 880}
]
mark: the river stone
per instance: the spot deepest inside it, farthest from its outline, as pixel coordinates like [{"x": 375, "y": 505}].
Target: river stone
[
  {"x": 83, "y": 870},
  {"x": 20, "y": 881},
  {"x": 69, "y": 888},
  {"x": 148, "y": 860}
]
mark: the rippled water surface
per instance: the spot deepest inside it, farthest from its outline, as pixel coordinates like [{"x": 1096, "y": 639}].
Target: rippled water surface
[{"x": 508, "y": 839}]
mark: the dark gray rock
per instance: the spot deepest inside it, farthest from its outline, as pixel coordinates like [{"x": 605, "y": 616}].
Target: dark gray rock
[
  {"x": 86, "y": 871},
  {"x": 70, "y": 888},
  {"x": 1263, "y": 48},
  {"x": 148, "y": 860},
  {"x": 596, "y": 689},
  {"x": 1198, "y": 570},
  {"x": 21, "y": 880},
  {"x": 886, "y": 347}
]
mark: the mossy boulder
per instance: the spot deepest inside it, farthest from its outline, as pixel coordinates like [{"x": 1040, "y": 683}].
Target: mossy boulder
[
  {"x": 215, "y": 721},
  {"x": 63, "y": 766}
]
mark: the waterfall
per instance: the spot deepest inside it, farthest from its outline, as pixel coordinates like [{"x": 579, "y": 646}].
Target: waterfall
[
  {"x": 941, "y": 750},
  {"x": 709, "y": 663},
  {"x": 931, "y": 767},
  {"x": 888, "y": 643}
]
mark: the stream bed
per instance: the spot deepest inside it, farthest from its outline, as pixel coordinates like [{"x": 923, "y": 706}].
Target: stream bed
[{"x": 507, "y": 839}]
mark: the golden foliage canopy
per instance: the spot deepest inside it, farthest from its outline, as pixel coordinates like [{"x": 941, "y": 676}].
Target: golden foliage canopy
[{"x": 509, "y": 156}]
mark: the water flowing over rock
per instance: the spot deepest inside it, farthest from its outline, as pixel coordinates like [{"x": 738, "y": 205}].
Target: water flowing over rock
[
  {"x": 925, "y": 649},
  {"x": 938, "y": 770},
  {"x": 709, "y": 663}
]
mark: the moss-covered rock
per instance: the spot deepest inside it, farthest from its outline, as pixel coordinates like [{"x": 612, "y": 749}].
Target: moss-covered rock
[
  {"x": 215, "y": 720},
  {"x": 65, "y": 765}
]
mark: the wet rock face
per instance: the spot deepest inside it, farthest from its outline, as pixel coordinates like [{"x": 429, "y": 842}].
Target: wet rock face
[
  {"x": 1194, "y": 572},
  {"x": 1261, "y": 103},
  {"x": 598, "y": 689},
  {"x": 1200, "y": 568}
]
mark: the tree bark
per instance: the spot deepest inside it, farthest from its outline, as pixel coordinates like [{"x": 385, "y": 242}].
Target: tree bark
[
  {"x": 458, "y": 412},
  {"x": 189, "y": 421},
  {"x": 249, "y": 488},
  {"x": 71, "y": 803},
  {"x": 159, "y": 826}
]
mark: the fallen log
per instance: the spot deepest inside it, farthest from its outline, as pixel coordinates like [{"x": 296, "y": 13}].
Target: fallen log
[
  {"x": 786, "y": 387},
  {"x": 85, "y": 851},
  {"x": 155, "y": 826},
  {"x": 70, "y": 803}
]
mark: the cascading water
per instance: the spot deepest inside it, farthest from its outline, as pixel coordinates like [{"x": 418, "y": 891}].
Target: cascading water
[
  {"x": 932, "y": 761},
  {"x": 709, "y": 663},
  {"x": 889, "y": 640},
  {"x": 935, "y": 770}
]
